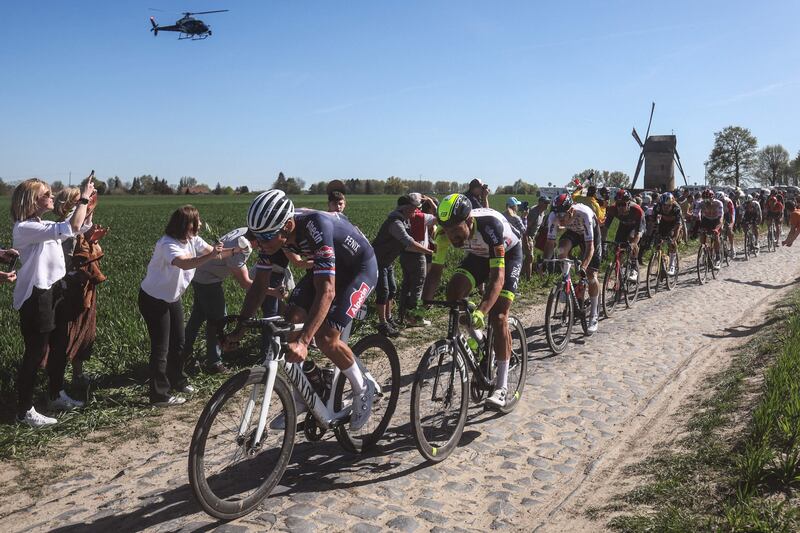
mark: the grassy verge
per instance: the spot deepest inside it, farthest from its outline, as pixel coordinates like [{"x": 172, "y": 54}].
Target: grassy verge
[{"x": 737, "y": 466}]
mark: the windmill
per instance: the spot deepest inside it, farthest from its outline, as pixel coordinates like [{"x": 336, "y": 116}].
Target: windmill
[{"x": 659, "y": 155}]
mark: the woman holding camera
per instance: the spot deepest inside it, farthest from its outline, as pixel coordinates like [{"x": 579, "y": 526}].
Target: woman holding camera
[
  {"x": 38, "y": 288},
  {"x": 176, "y": 256}
]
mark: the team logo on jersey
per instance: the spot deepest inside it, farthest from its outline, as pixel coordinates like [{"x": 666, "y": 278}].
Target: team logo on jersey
[
  {"x": 351, "y": 244},
  {"x": 357, "y": 299},
  {"x": 499, "y": 251},
  {"x": 314, "y": 232},
  {"x": 324, "y": 252},
  {"x": 492, "y": 235}
]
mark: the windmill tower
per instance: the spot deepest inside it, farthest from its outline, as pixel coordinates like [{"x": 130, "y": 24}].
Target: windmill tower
[{"x": 659, "y": 155}]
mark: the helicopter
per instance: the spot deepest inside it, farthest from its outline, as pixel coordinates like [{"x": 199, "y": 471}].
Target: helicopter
[{"x": 187, "y": 27}]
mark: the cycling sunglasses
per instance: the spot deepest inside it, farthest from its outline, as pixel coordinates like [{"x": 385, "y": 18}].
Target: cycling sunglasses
[{"x": 267, "y": 235}]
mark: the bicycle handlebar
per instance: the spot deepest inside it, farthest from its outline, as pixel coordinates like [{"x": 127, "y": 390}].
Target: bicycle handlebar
[
  {"x": 276, "y": 324},
  {"x": 624, "y": 244}
]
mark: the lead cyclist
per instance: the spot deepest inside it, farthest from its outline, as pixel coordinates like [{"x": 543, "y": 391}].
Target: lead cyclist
[{"x": 494, "y": 251}]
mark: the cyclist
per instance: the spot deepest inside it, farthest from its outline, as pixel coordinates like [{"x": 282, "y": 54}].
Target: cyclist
[
  {"x": 794, "y": 223},
  {"x": 711, "y": 212},
  {"x": 631, "y": 225},
  {"x": 323, "y": 301},
  {"x": 751, "y": 215},
  {"x": 494, "y": 256},
  {"x": 670, "y": 223},
  {"x": 773, "y": 211},
  {"x": 582, "y": 229},
  {"x": 730, "y": 219}
]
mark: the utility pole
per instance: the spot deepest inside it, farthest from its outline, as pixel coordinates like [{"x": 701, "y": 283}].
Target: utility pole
[{"x": 70, "y": 178}]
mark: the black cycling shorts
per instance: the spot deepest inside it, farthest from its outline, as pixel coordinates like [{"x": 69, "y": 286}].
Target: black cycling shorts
[
  {"x": 665, "y": 229},
  {"x": 352, "y": 291},
  {"x": 709, "y": 224},
  {"x": 476, "y": 269},
  {"x": 626, "y": 232},
  {"x": 576, "y": 239}
]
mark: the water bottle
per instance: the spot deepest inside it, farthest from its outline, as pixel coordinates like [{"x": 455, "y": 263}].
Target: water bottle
[{"x": 314, "y": 376}]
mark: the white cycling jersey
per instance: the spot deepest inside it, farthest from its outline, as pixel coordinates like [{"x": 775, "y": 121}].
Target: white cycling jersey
[{"x": 583, "y": 222}]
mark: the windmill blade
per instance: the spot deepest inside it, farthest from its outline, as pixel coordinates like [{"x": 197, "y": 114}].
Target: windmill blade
[
  {"x": 638, "y": 139},
  {"x": 207, "y": 12},
  {"x": 680, "y": 167},
  {"x": 652, "y": 108},
  {"x": 638, "y": 169}
]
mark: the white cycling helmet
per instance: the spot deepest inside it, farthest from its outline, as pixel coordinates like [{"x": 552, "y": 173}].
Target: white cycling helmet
[
  {"x": 720, "y": 196},
  {"x": 269, "y": 211}
]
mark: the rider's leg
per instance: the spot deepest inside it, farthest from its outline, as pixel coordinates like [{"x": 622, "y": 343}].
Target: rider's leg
[
  {"x": 594, "y": 290},
  {"x": 498, "y": 317}
]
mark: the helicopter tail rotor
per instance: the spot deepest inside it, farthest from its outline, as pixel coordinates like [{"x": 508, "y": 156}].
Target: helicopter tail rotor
[{"x": 154, "y": 29}]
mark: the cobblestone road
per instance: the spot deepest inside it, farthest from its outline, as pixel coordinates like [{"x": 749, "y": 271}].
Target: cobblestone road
[{"x": 509, "y": 473}]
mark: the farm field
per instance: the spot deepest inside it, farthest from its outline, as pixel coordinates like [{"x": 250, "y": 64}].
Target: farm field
[{"x": 121, "y": 350}]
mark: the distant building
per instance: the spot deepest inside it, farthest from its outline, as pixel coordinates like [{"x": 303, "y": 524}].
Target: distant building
[
  {"x": 197, "y": 189},
  {"x": 659, "y": 168}
]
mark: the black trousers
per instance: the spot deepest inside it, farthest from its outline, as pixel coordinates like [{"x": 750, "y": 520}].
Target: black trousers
[
  {"x": 165, "y": 326},
  {"x": 41, "y": 333},
  {"x": 414, "y": 269}
]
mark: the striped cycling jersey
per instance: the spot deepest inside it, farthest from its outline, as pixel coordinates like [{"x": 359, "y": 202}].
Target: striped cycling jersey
[{"x": 491, "y": 235}]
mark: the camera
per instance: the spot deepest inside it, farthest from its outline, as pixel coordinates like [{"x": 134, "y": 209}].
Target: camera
[{"x": 523, "y": 206}]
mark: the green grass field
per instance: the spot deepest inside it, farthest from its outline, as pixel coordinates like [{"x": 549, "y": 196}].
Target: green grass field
[{"x": 121, "y": 350}]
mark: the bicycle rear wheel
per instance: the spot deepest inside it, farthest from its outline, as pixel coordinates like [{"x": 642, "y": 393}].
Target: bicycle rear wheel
[
  {"x": 702, "y": 265},
  {"x": 771, "y": 238},
  {"x": 517, "y": 365},
  {"x": 672, "y": 279},
  {"x": 612, "y": 292},
  {"x": 439, "y": 401},
  {"x": 747, "y": 244},
  {"x": 725, "y": 250},
  {"x": 631, "y": 285},
  {"x": 558, "y": 318},
  {"x": 229, "y": 473},
  {"x": 653, "y": 273},
  {"x": 379, "y": 362}
]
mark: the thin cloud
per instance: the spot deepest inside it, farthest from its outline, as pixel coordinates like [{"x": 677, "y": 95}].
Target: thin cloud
[
  {"x": 756, "y": 92},
  {"x": 375, "y": 98}
]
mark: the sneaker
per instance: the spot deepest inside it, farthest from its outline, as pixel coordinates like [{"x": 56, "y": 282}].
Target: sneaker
[
  {"x": 64, "y": 403},
  {"x": 717, "y": 264},
  {"x": 497, "y": 400},
  {"x": 218, "y": 368},
  {"x": 35, "y": 419},
  {"x": 362, "y": 406},
  {"x": 634, "y": 274},
  {"x": 392, "y": 322},
  {"x": 592, "y": 326},
  {"x": 300, "y": 408},
  {"x": 671, "y": 271},
  {"x": 387, "y": 330},
  {"x": 172, "y": 401},
  {"x": 186, "y": 389}
]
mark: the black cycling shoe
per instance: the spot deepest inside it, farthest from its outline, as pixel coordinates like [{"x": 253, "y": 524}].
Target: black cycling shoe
[{"x": 387, "y": 330}]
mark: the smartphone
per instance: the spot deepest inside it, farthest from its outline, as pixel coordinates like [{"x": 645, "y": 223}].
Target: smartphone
[{"x": 13, "y": 264}]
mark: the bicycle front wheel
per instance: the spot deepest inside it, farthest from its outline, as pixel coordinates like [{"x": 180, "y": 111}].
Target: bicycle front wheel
[
  {"x": 229, "y": 472},
  {"x": 747, "y": 245},
  {"x": 439, "y": 401},
  {"x": 653, "y": 273},
  {"x": 702, "y": 265},
  {"x": 631, "y": 270},
  {"x": 558, "y": 318},
  {"x": 379, "y": 363},
  {"x": 611, "y": 290},
  {"x": 672, "y": 279},
  {"x": 517, "y": 365}
]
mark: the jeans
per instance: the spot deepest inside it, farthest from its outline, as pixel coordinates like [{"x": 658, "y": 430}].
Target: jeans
[
  {"x": 208, "y": 307},
  {"x": 165, "y": 325},
  {"x": 387, "y": 286},
  {"x": 414, "y": 269}
]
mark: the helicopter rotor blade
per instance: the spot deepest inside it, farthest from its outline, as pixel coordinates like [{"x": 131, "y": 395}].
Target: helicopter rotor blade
[{"x": 207, "y": 12}]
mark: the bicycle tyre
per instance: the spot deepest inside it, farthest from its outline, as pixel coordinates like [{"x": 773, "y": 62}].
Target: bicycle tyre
[
  {"x": 702, "y": 265},
  {"x": 747, "y": 244},
  {"x": 631, "y": 292},
  {"x": 518, "y": 364},
  {"x": 653, "y": 273},
  {"x": 611, "y": 290},
  {"x": 212, "y": 499},
  {"x": 710, "y": 260},
  {"x": 435, "y": 442},
  {"x": 725, "y": 251},
  {"x": 672, "y": 280},
  {"x": 370, "y": 350},
  {"x": 554, "y": 319}
]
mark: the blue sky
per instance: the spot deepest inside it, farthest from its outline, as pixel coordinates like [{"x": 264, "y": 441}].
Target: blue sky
[{"x": 442, "y": 89}]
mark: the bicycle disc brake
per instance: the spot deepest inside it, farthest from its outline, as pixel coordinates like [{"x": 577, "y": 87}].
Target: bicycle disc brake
[{"x": 311, "y": 429}]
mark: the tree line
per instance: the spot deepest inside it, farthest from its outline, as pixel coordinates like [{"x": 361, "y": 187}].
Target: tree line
[{"x": 736, "y": 160}]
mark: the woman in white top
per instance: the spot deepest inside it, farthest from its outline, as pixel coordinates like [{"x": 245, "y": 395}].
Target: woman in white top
[
  {"x": 169, "y": 273},
  {"x": 36, "y": 293}
]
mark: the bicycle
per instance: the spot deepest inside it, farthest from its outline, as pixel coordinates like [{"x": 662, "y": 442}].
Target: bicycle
[
  {"x": 658, "y": 267},
  {"x": 772, "y": 245},
  {"x": 566, "y": 302},
  {"x": 617, "y": 282},
  {"x": 440, "y": 393},
  {"x": 233, "y": 466},
  {"x": 750, "y": 245},
  {"x": 705, "y": 258}
]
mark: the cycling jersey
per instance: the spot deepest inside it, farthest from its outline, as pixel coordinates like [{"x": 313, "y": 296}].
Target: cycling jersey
[
  {"x": 730, "y": 211},
  {"x": 331, "y": 240},
  {"x": 583, "y": 223},
  {"x": 491, "y": 235},
  {"x": 774, "y": 207},
  {"x": 633, "y": 221},
  {"x": 752, "y": 212},
  {"x": 669, "y": 217},
  {"x": 712, "y": 210}
]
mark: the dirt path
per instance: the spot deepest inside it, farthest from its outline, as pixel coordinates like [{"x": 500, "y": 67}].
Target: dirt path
[{"x": 535, "y": 468}]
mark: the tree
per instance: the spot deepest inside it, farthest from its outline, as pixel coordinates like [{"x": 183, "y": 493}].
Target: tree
[
  {"x": 794, "y": 169},
  {"x": 294, "y": 186},
  {"x": 772, "y": 165},
  {"x": 318, "y": 188},
  {"x": 186, "y": 182},
  {"x": 244, "y": 189},
  {"x": 56, "y": 185},
  {"x": 136, "y": 187},
  {"x": 615, "y": 179},
  {"x": 5, "y": 188},
  {"x": 395, "y": 185},
  {"x": 99, "y": 185},
  {"x": 280, "y": 183},
  {"x": 733, "y": 156},
  {"x": 218, "y": 189}
]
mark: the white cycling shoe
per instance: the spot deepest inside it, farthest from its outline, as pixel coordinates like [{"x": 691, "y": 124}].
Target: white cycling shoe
[
  {"x": 362, "y": 406},
  {"x": 497, "y": 400}
]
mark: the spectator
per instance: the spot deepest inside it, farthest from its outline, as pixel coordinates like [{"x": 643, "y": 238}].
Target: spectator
[
  {"x": 534, "y": 231},
  {"x": 176, "y": 256},
  {"x": 413, "y": 262},
  {"x": 209, "y": 297},
  {"x": 478, "y": 194},
  {"x": 392, "y": 239},
  {"x": 8, "y": 257},
  {"x": 512, "y": 205},
  {"x": 77, "y": 315},
  {"x": 336, "y": 197},
  {"x": 38, "y": 291}
]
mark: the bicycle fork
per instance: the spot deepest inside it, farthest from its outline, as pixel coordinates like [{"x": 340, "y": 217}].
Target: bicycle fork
[{"x": 272, "y": 372}]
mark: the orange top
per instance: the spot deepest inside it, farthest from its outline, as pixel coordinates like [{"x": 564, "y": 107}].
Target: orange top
[{"x": 794, "y": 219}]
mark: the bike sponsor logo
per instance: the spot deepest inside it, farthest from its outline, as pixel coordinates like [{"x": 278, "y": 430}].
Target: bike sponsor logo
[
  {"x": 324, "y": 252},
  {"x": 351, "y": 244},
  {"x": 314, "y": 232},
  {"x": 492, "y": 235},
  {"x": 357, "y": 299}
]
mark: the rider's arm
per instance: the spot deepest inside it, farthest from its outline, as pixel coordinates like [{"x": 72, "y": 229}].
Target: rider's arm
[
  {"x": 434, "y": 276},
  {"x": 325, "y": 290},
  {"x": 257, "y": 291}
]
